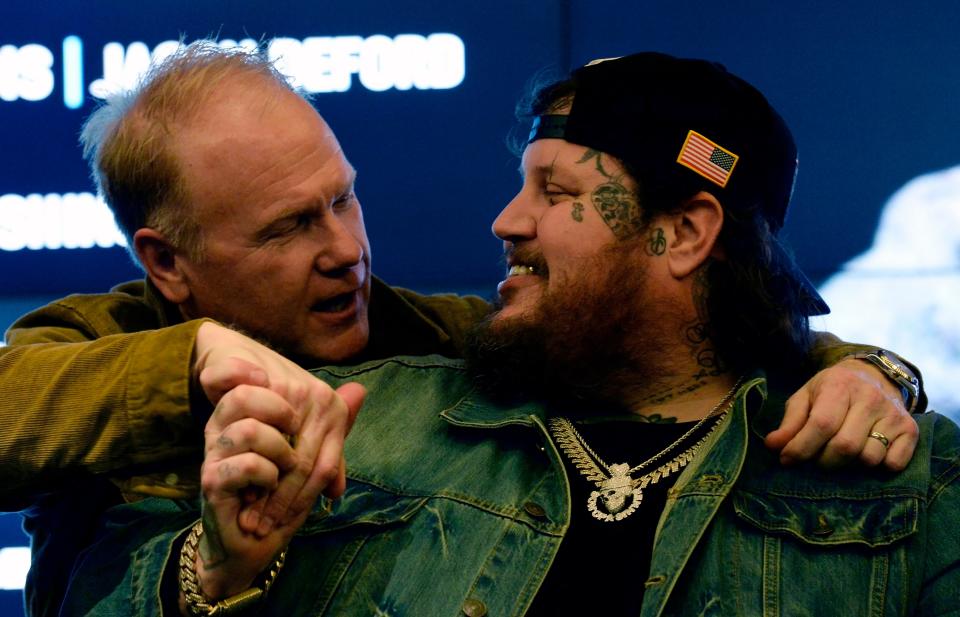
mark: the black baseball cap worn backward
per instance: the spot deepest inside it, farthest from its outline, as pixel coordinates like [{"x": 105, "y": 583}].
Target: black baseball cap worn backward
[{"x": 693, "y": 126}]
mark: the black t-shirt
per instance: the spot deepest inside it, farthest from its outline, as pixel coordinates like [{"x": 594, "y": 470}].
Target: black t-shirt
[{"x": 601, "y": 566}]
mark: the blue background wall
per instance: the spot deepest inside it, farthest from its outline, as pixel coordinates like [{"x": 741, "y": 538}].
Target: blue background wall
[{"x": 869, "y": 87}]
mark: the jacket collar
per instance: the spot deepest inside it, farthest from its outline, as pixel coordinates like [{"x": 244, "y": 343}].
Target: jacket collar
[
  {"x": 476, "y": 411},
  {"x": 167, "y": 312}
]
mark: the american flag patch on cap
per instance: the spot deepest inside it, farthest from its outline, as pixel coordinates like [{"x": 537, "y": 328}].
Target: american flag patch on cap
[{"x": 707, "y": 158}]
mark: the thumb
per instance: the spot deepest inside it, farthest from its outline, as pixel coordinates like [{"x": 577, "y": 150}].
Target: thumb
[
  {"x": 353, "y": 394},
  {"x": 219, "y": 378}
]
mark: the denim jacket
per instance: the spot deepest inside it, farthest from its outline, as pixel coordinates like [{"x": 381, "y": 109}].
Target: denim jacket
[{"x": 457, "y": 506}]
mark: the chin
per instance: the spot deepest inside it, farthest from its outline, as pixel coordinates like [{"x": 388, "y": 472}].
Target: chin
[
  {"x": 511, "y": 316},
  {"x": 331, "y": 347}
]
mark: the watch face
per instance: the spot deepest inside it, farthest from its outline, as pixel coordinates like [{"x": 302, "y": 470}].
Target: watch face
[{"x": 898, "y": 374}]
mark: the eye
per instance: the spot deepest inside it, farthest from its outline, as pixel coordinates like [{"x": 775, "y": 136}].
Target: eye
[
  {"x": 345, "y": 202},
  {"x": 556, "y": 195}
]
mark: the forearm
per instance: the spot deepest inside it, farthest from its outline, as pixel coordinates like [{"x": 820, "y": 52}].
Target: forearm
[{"x": 93, "y": 406}]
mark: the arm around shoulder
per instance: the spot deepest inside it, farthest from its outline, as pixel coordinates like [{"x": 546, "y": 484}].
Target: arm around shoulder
[{"x": 76, "y": 397}]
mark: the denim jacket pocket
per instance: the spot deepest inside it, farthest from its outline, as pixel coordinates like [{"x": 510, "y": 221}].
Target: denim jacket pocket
[
  {"x": 831, "y": 520},
  {"x": 362, "y": 504},
  {"x": 824, "y": 554}
]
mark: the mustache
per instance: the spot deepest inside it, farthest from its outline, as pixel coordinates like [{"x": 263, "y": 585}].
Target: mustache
[{"x": 526, "y": 256}]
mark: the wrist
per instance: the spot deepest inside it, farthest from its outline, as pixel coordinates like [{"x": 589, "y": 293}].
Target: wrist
[
  {"x": 222, "y": 599},
  {"x": 896, "y": 372},
  {"x": 218, "y": 582}
]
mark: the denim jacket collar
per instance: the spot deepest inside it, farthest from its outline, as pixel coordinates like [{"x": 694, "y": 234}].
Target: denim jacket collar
[{"x": 475, "y": 411}]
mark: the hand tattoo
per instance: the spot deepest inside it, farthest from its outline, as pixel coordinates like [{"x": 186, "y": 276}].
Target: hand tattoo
[{"x": 211, "y": 549}]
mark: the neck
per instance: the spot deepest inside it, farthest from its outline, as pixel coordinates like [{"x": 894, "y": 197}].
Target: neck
[
  {"x": 682, "y": 386},
  {"x": 680, "y": 399}
]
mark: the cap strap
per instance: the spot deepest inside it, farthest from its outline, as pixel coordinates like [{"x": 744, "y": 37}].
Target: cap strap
[{"x": 548, "y": 126}]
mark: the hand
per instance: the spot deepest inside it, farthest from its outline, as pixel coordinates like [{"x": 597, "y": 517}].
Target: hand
[
  {"x": 250, "y": 455},
  {"x": 246, "y": 380},
  {"x": 831, "y": 417}
]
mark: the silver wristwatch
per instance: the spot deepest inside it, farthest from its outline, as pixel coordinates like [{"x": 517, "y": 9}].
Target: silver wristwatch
[{"x": 900, "y": 375}]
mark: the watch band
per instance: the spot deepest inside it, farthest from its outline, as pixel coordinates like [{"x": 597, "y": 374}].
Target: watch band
[{"x": 901, "y": 376}]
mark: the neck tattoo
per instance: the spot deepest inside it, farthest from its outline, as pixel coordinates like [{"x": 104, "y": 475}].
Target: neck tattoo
[{"x": 619, "y": 494}]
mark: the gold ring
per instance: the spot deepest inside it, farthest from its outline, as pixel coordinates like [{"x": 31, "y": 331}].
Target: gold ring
[{"x": 881, "y": 438}]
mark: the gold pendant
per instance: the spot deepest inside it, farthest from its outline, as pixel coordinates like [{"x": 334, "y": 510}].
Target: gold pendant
[{"x": 618, "y": 495}]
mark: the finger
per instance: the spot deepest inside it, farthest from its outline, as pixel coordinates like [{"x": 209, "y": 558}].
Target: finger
[
  {"x": 255, "y": 402},
  {"x": 321, "y": 450},
  {"x": 250, "y": 435},
  {"x": 327, "y": 477},
  {"x": 229, "y": 476},
  {"x": 875, "y": 451},
  {"x": 851, "y": 438},
  {"x": 353, "y": 394},
  {"x": 250, "y": 514},
  {"x": 338, "y": 486},
  {"x": 827, "y": 411},
  {"x": 903, "y": 442},
  {"x": 296, "y": 494},
  {"x": 221, "y": 377},
  {"x": 794, "y": 417},
  {"x": 870, "y": 410}
]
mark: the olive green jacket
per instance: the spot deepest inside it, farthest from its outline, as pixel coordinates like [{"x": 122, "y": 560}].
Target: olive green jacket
[{"x": 99, "y": 383}]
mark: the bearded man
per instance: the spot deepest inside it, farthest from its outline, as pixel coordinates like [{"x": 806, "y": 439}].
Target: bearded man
[{"x": 651, "y": 326}]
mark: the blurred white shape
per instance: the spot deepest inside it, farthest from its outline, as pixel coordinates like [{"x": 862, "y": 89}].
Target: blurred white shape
[
  {"x": 14, "y": 563},
  {"x": 903, "y": 293}
]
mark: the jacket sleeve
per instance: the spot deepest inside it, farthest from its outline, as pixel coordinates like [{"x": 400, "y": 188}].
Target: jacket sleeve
[
  {"x": 828, "y": 350},
  {"x": 79, "y": 394},
  {"x": 131, "y": 567}
]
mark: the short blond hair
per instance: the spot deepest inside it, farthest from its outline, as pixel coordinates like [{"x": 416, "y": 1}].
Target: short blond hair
[{"x": 128, "y": 140}]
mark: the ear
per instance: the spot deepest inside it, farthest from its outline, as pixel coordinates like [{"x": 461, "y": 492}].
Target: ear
[
  {"x": 695, "y": 231},
  {"x": 162, "y": 263}
]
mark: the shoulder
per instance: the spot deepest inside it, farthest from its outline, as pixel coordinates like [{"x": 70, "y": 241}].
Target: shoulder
[
  {"x": 445, "y": 303},
  {"x": 126, "y": 308},
  {"x": 400, "y": 367},
  {"x": 410, "y": 379},
  {"x": 450, "y": 311},
  {"x": 940, "y": 438}
]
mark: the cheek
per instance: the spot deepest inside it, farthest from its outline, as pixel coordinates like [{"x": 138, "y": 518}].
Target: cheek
[{"x": 566, "y": 242}]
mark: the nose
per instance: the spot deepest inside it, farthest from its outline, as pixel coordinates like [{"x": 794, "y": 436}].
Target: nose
[
  {"x": 342, "y": 246},
  {"x": 517, "y": 221}
]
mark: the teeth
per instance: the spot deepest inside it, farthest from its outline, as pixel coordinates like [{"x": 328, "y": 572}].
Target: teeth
[
  {"x": 519, "y": 270},
  {"x": 335, "y": 304}
]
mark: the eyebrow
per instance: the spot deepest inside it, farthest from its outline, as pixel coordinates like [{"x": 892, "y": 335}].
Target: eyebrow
[
  {"x": 551, "y": 173},
  {"x": 308, "y": 206}
]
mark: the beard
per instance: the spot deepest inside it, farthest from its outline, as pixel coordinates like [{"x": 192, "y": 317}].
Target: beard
[{"x": 593, "y": 336}]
